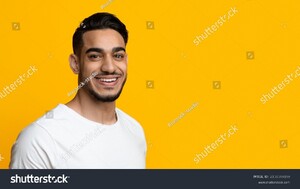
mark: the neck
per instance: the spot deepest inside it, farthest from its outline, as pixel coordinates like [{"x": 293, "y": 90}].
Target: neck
[{"x": 92, "y": 109}]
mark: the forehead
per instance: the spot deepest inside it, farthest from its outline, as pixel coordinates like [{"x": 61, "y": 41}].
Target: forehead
[{"x": 103, "y": 38}]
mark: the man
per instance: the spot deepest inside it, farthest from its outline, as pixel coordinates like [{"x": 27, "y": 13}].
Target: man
[{"x": 89, "y": 131}]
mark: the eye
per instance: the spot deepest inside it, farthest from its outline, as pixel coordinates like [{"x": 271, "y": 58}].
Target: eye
[
  {"x": 94, "y": 57},
  {"x": 119, "y": 56}
]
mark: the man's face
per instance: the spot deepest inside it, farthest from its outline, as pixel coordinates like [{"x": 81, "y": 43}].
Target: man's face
[{"x": 103, "y": 59}]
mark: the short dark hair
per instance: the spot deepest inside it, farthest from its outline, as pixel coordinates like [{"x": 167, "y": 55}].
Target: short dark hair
[{"x": 96, "y": 21}]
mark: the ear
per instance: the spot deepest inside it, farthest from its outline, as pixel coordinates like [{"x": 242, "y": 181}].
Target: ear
[{"x": 74, "y": 63}]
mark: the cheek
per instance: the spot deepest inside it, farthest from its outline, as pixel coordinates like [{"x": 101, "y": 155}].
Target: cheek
[
  {"x": 123, "y": 67},
  {"x": 89, "y": 67}
]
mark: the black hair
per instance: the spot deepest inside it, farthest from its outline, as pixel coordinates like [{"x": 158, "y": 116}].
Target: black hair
[{"x": 96, "y": 21}]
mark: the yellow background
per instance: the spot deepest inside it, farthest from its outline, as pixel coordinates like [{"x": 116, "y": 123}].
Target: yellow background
[{"x": 182, "y": 74}]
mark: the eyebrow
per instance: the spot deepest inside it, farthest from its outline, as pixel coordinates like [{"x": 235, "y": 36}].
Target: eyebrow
[{"x": 100, "y": 50}]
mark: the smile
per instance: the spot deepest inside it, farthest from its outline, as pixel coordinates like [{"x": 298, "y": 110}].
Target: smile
[{"x": 107, "y": 80}]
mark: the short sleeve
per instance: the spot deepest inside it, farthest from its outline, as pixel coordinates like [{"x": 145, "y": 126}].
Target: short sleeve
[{"x": 33, "y": 149}]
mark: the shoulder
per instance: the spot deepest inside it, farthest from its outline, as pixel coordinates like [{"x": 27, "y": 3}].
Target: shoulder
[
  {"x": 130, "y": 122},
  {"x": 32, "y": 133},
  {"x": 33, "y": 149},
  {"x": 35, "y": 146}
]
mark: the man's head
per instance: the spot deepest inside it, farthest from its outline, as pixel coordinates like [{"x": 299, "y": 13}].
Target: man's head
[
  {"x": 100, "y": 59},
  {"x": 98, "y": 21}
]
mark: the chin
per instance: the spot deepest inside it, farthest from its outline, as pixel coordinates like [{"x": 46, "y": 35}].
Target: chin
[
  {"x": 104, "y": 98},
  {"x": 105, "y": 93}
]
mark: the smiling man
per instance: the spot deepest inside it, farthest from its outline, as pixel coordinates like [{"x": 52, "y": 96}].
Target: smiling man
[{"x": 89, "y": 131}]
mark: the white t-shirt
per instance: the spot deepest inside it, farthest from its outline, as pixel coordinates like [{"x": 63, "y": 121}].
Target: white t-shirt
[{"x": 63, "y": 139}]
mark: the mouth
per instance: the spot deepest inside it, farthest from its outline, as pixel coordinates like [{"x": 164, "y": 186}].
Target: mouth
[{"x": 107, "y": 80}]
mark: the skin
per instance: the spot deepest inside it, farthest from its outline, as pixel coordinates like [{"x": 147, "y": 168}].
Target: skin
[{"x": 103, "y": 52}]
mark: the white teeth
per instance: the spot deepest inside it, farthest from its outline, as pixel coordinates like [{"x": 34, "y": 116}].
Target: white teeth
[{"x": 108, "y": 80}]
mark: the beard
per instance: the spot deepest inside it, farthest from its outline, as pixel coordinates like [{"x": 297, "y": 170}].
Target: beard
[
  {"x": 106, "y": 98},
  {"x": 100, "y": 97}
]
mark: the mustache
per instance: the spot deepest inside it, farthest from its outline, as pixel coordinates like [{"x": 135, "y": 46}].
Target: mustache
[
  {"x": 85, "y": 80},
  {"x": 97, "y": 74}
]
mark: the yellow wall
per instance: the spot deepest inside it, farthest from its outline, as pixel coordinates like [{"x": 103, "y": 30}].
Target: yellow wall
[{"x": 173, "y": 88}]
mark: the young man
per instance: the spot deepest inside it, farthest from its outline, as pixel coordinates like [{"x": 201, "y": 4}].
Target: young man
[{"x": 88, "y": 132}]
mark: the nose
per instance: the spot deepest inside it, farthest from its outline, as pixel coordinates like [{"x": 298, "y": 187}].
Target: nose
[{"x": 108, "y": 65}]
